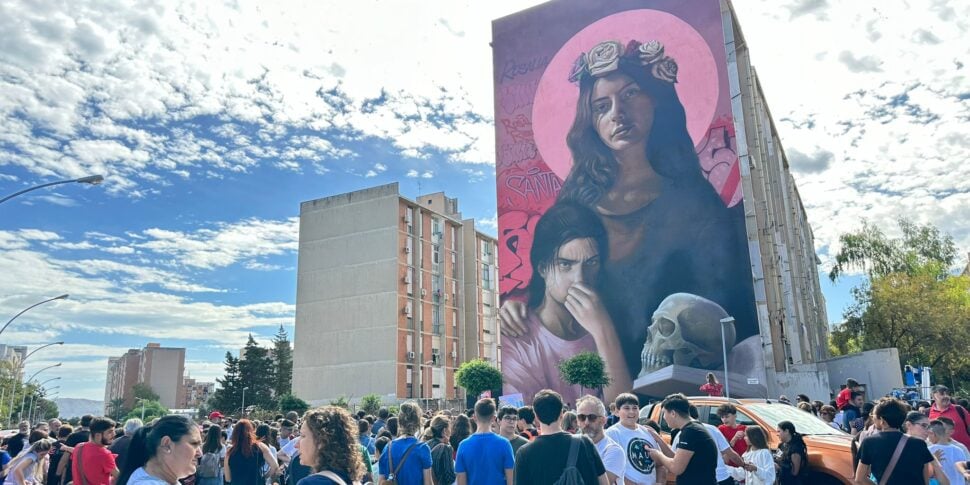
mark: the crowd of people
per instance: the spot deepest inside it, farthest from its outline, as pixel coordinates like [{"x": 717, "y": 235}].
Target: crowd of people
[{"x": 545, "y": 443}]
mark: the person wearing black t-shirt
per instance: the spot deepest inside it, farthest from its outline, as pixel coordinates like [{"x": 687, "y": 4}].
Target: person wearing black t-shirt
[
  {"x": 543, "y": 460},
  {"x": 876, "y": 451},
  {"x": 695, "y": 459}
]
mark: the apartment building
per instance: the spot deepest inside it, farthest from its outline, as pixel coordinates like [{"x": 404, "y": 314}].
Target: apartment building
[
  {"x": 389, "y": 296},
  {"x": 161, "y": 368},
  {"x": 15, "y": 355},
  {"x": 195, "y": 393}
]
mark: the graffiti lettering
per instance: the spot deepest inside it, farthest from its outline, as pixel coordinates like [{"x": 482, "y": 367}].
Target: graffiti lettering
[
  {"x": 513, "y": 69},
  {"x": 512, "y": 153},
  {"x": 519, "y": 128},
  {"x": 535, "y": 184},
  {"x": 517, "y": 96}
]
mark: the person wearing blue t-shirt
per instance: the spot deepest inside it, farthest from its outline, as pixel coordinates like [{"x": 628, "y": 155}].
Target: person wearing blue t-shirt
[
  {"x": 484, "y": 458},
  {"x": 410, "y": 458}
]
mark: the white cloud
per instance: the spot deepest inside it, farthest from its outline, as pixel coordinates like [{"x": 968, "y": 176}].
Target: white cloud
[
  {"x": 106, "y": 87},
  {"x": 225, "y": 244},
  {"x": 413, "y": 174},
  {"x": 427, "y": 174}
]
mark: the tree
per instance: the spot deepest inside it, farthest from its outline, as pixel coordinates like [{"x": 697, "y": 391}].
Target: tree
[
  {"x": 282, "y": 356},
  {"x": 289, "y": 402},
  {"x": 585, "y": 369},
  {"x": 870, "y": 250},
  {"x": 256, "y": 374},
  {"x": 228, "y": 397},
  {"x": 153, "y": 409},
  {"x": 116, "y": 409},
  {"x": 370, "y": 404},
  {"x": 478, "y": 376},
  {"x": 45, "y": 409},
  {"x": 142, "y": 390},
  {"x": 341, "y": 402},
  {"x": 910, "y": 301}
]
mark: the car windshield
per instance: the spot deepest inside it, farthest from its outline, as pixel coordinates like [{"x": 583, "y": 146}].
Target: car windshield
[{"x": 805, "y": 423}]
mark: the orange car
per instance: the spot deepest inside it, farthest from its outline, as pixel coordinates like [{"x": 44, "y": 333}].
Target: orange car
[{"x": 829, "y": 455}]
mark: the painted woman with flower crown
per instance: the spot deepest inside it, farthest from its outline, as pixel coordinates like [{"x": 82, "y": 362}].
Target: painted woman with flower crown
[{"x": 635, "y": 166}]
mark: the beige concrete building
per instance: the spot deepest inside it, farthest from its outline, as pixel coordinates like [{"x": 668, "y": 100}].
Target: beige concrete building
[
  {"x": 15, "y": 355},
  {"x": 382, "y": 297},
  {"x": 161, "y": 368},
  {"x": 195, "y": 393}
]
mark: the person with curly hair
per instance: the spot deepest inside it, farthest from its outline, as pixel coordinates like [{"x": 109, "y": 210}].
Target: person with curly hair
[
  {"x": 328, "y": 445},
  {"x": 406, "y": 460}
]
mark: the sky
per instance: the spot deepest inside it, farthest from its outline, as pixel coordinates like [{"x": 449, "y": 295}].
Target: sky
[{"x": 212, "y": 121}]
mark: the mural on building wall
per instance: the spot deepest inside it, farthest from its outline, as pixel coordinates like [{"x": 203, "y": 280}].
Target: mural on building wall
[{"x": 621, "y": 224}]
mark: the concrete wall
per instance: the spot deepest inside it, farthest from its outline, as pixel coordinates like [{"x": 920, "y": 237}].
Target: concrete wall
[
  {"x": 809, "y": 379},
  {"x": 347, "y": 305},
  {"x": 879, "y": 370}
]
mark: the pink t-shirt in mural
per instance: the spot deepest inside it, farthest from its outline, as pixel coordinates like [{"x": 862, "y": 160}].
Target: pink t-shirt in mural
[{"x": 530, "y": 362}]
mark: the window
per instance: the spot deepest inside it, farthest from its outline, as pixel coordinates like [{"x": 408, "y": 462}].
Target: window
[{"x": 486, "y": 277}]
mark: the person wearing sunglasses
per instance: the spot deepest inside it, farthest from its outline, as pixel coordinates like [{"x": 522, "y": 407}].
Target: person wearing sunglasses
[{"x": 591, "y": 418}]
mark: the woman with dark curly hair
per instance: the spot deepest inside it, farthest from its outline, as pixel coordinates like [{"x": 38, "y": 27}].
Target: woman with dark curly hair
[
  {"x": 328, "y": 445},
  {"x": 635, "y": 166}
]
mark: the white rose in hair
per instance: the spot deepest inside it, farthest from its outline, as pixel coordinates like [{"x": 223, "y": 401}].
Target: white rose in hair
[
  {"x": 651, "y": 52},
  {"x": 665, "y": 70},
  {"x": 604, "y": 58}
]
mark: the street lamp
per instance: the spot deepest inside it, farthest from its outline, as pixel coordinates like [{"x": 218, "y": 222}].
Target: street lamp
[
  {"x": 90, "y": 179},
  {"x": 142, "y": 406},
  {"x": 244, "y": 402},
  {"x": 41, "y": 385},
  {"x": 62, "y": 297},
  {"x": 727, "y": 379},
  {"x": 23, "y": 399},
  {"x": 41, "y": 347}
]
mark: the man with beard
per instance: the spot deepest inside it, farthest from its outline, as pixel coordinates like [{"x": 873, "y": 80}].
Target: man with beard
[
  {"x": 16, "y": 443},
  {"x": 591, "y": 415},
  {"x": 93, "y": 458},
  {"x": 944, "y": 407}
]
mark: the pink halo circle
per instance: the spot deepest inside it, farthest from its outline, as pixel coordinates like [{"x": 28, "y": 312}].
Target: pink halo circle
[{"x": 697, "y": 86}]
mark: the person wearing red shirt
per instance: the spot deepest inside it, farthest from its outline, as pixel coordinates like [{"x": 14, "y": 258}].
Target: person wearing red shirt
[
  {"x": 845, "y": 395},
  {"x": 731, "y": 430},
  {"x": 712, "y": 387},
  {"x": 943, "y": 406},
  {"x": 93, "y": 457}
]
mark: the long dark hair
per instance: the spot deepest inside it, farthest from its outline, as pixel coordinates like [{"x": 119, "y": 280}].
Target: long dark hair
[
  {"x": 796, "y": 437},
  {"x": 757, "y": 437},
  {"x": 144, "y": 443},
  {"x": 563, "y": 222},
  {"x": 213, "y": 440},
  {"x": 243, "y": 439},
  {"x": 670, "y": 150},
  {"x": 461, "y": 429}
]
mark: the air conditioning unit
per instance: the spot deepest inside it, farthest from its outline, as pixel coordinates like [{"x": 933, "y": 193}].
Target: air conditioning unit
[
  {"x": 407, "y": 249},
  {"x": 454, "y": 355},
  {"x": 424, "y": 292},
  {"x": 410, "y": 355},
  {"x": 406, "y": 310}
]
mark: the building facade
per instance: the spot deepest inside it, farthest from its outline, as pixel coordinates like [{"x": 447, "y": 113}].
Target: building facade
[
  {"x": 195, "y": 393},
  {"x": 15, "y": 355},
  {"x": 383, "y": 297},
  {"x": 161, "y": 368}
]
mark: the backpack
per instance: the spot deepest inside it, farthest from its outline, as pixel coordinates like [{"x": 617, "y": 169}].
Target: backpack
[
  {"x": 209, "y": 465},
  {"x": 392, "y": 475},
  {"x": 570, "y": 475}
]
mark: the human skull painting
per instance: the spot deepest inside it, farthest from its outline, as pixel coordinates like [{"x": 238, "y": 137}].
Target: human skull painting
[{"x": 685, "y": 330}]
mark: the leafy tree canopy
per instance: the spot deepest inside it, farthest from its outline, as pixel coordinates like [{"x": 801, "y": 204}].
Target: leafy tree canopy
[
  {"x": 585, "y": 369},
  {"x": 478, "y": 376}
]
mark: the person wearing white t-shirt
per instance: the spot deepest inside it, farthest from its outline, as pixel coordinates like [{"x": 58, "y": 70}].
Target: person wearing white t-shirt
[
  {"x": 635, "y": 441},
  {"x": 949, "y": 454},
  {"x": 591, "y": 414},
  {"x": 726, "y": 453}
]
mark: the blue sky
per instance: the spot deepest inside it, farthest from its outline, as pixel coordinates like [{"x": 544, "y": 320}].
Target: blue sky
[{"x": 212, "y": 122}]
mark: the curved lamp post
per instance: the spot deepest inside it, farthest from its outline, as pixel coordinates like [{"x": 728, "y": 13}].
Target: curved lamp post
[
  {"x": 90, "y": 179},
  {"x": 23, "y": 399},
  {"x": 61, "y": 297}
]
